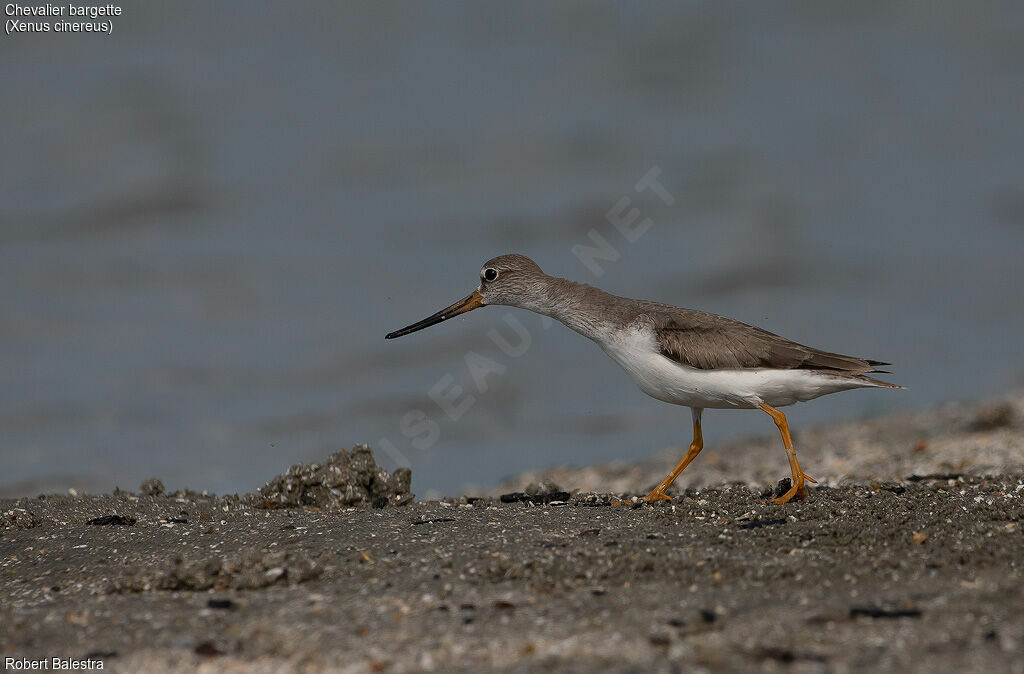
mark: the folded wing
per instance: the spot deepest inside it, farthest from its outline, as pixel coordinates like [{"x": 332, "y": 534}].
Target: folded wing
[{"x": 711, "y": 342}]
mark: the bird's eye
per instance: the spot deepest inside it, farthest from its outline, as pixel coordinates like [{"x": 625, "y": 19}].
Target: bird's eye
[{"x": 490, "y": 274}]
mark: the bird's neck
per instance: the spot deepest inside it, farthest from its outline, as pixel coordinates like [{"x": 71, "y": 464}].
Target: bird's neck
[{"x": 576, "y": 305}]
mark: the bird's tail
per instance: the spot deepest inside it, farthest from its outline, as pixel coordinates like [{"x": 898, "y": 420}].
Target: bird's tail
[{"x": 878, "y": 383}]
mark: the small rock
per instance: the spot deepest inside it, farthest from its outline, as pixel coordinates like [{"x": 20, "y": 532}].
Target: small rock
[
  {"x": 875, "y": 612},
  {"x": 782, "y": 487},
  {"x": 151, "y": 487},
  {"x": 107, "y": 520},
  {"x": 221, "y": 604},
  {"x": 208, "y": 649}
]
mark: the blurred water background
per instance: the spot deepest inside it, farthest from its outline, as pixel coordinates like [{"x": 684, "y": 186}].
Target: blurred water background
[{"x": 209, "y": 220}]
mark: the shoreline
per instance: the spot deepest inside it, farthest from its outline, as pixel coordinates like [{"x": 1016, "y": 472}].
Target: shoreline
[{"x": 334, "y": 567}]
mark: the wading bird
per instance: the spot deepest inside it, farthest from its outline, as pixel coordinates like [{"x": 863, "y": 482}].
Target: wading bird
[{"x": 680, "y": 356}]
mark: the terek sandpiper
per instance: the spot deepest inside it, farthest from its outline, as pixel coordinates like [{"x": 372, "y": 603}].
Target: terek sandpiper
[{"x": 680, "y": 356}]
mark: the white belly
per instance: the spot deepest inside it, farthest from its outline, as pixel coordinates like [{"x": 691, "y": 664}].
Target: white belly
[{"x": 667, "y": 380}]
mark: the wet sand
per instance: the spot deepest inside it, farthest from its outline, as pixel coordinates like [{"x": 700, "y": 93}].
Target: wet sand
[{"x": 920, "y": 573}]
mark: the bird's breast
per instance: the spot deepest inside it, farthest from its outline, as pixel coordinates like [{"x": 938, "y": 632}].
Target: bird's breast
[{"x": 638, "y": 353}]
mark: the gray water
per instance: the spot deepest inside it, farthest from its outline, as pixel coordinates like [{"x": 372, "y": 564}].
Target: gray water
[{"x": 209, "y": 220}]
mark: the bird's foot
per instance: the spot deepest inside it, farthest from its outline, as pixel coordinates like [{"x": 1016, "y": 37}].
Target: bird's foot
[{"x": 657, "y": 495}]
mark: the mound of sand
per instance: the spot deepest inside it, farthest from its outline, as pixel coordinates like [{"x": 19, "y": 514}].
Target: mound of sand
[{"x": 343, "y": 480}]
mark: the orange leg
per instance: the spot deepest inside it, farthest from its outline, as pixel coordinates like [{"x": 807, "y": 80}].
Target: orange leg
[
  {"x": 798, "y": 490},
  {"x": 698, "y": 444}
]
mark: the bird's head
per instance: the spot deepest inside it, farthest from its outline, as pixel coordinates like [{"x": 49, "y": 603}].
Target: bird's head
[{"x": 506, "y": 279}]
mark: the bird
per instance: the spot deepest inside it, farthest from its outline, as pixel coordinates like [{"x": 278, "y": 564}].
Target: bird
[{"x": 680, "y": 356}]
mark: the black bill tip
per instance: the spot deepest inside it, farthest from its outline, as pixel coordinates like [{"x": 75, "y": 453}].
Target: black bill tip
[{"x": 472, "y": 301}]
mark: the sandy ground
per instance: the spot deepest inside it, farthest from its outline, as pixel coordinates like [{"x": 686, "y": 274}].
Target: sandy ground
[
  {"x": 984, "y": 438},
  {"x": 907, "y": 556}
]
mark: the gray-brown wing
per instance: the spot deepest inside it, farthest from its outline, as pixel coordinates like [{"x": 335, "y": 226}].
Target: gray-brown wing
[{"x": 707, "y": 341}]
